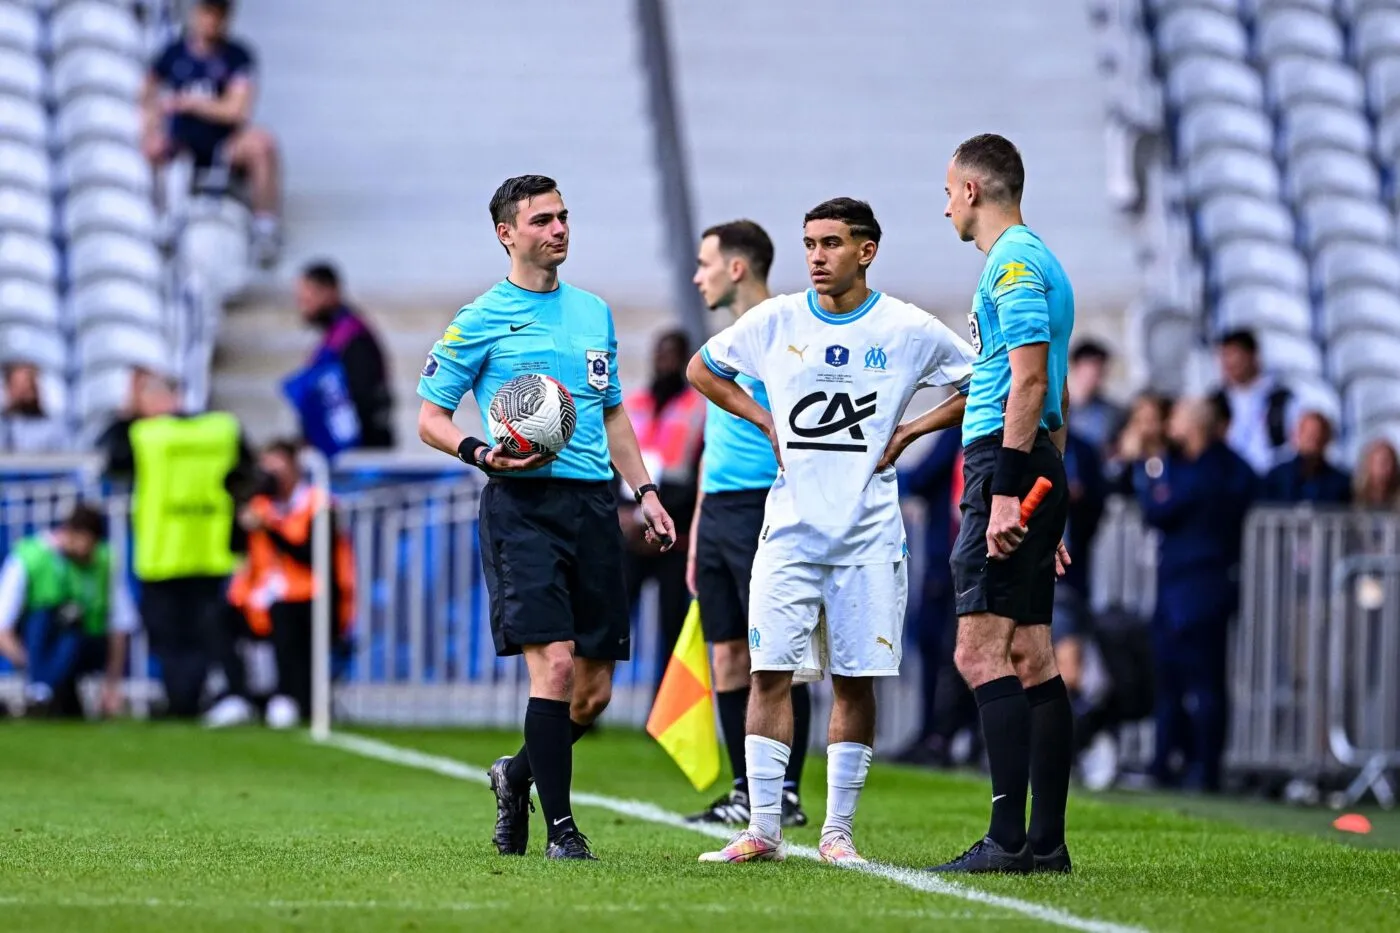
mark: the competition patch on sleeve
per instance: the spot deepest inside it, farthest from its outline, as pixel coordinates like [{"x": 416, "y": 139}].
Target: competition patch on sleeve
[
  {"x": 429, "y": 367},
  {"x": 598, "y": 370},
  {"x": 1012, "y": 275}
]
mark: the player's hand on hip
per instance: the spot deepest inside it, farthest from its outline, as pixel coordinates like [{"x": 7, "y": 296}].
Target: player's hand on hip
[
  {"x": 660, "y": 529},
  {"x": 899, "y": 440},
  {"x": 1062, "y": 560},
  {"x": 771, "y": 430},
  {"x": 500, "y": 460},
  {"x": 1004, "y": 529}
]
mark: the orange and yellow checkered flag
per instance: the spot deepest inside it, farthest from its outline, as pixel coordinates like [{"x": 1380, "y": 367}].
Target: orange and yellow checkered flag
[{"x": 683, "y": 717}]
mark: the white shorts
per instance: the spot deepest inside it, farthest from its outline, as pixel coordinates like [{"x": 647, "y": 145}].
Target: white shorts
[{"x": 814, "y": 618}]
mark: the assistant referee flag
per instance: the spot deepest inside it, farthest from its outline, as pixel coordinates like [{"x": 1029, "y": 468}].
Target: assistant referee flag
[{"x": 683, "y": 717}]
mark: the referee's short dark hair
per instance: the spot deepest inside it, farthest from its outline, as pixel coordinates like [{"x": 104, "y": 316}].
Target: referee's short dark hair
[
  {"x": 858, "y": 215},
  {"x": 505, "y": 202},
  {"x": 322, "y": 273},
  {"x": 87, "y": 519},
  {"x": 747, "y": 239},
  {"x": 998, "y": 161}
]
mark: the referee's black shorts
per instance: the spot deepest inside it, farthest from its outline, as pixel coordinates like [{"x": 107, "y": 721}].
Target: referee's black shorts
[
  {"x": 1020, "y": 587},
  {"x": 730, "y": 523},
  {"x": 551, "y": 551}
]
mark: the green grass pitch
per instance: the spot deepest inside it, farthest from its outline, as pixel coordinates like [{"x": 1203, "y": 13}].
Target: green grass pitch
[{"x": 136, "y": 827}]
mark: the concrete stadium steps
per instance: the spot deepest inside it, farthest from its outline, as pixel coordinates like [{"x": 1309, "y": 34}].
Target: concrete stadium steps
[{"x": 260, "y": 344}]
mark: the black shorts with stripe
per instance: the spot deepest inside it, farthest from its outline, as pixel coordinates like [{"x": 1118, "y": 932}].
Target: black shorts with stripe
[{"x": 730, "y": 523}]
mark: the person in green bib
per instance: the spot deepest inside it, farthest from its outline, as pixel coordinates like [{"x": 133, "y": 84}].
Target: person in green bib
[
  {"x": 188, "y": 472},
  {"x": 61, "y": 617}
]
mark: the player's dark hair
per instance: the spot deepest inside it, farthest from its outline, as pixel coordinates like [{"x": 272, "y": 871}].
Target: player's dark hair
[
  {"x": 87, "y": 519},
  {"x": 999, "y": 163},
  {"x": 747, "y": 239},
  {"x": 322, "y": 273},
  {"x": 1243, "y": 339},
  {"x": 505, "y": 203},
  {"x": 1089, "y": 350},
  {"x": 857, "y": 215}
]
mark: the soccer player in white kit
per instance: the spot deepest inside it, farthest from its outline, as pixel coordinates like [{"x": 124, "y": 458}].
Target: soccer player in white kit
[{"x": 830, "y": 580}]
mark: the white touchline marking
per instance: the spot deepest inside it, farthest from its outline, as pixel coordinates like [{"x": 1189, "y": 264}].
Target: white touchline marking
[{"x": 637, "y": 809}]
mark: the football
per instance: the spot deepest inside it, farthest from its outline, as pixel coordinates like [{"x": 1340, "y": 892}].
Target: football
[{"x": 532, "y": 414}]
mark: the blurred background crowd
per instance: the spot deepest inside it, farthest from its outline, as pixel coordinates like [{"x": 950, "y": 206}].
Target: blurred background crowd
[{"x": 1218, "y": 176}]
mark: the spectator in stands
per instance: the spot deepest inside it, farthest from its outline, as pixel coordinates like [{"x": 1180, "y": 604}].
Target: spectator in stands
[
  {"x": 61, "y": 617},
  {"x": 669, "y": 418},
  {"x": 25, "y": 428},
  {"x": 271, "y": 595},
  {"x": 937, "y": 480},
  {"x": 186, "y": 472},
  {"x": 1144, "y": 436},
  {"x": 1308, "y": 477},
  {"x": 342, "y": 395},
  {"x": 198, "y": 100},
  {"x": 1258, "y": 406},
  {"x": 1377, "y": 484},
  {"x": 1097, "y": 420},
  {"x": 1197, "y": 497}
]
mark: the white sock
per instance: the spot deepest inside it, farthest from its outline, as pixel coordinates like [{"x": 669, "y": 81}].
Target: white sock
[
  {"x": 847, "y": 764},
  {"x": 766, "y": 761}
]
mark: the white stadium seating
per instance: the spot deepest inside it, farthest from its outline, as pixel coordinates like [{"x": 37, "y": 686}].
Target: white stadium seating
[
  {"x": 93, "y": 24},
  {"x": 26, "y": 301}
]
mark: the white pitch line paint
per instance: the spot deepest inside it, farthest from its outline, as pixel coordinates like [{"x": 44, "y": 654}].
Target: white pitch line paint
[{"x": 640, "y": 810}]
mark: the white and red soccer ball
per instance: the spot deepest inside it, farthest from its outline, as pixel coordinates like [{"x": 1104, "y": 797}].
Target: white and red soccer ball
[{"x": 532, "y": 413}]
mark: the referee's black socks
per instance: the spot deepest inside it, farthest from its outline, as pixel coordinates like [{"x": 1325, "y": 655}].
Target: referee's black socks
[
  {"x": 1052, "y": 759},
  {"x": 801, "y": 735},
  {"x": 518, "y": 773},
  {"x": 550, "y": 746},
  {"x": 1006, "y": 730}
]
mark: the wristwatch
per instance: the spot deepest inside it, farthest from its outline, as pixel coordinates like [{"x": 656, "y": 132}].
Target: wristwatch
[{"x": 642, "y": 490}]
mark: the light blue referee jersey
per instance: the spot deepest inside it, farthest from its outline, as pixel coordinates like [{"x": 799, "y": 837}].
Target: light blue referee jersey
[
  {"x": 737, "y": 456},
  {"x": 1024, "y": 298},
  {"x": 567, "y": 333}
]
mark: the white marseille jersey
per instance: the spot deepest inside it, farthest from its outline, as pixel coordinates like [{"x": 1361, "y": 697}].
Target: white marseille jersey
[{"x": 838, "y": 386}]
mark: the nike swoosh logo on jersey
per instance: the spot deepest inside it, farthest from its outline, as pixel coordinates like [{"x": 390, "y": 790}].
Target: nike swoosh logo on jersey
[{"x": 516, "y": 327}]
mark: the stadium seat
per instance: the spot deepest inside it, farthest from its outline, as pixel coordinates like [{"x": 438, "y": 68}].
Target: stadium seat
[
  {"x": 26, "y": 343},
  {"x": 1341, "y": 266},
  {"x": 101, "y": 393},
  {"x": 1231, "y": 216},
  {"x": 1256, "y": 262},
  {"x": 213, "y": 245},
  {"x": 90, "y": 23},
  {"x": 1340, "y": 219},
  {"x": 1367, "y": 308},
  {"x": 24, "y": 166},
  {"x": 53, "y": 390},
  {"x": 1161, "y": 8},
  {"x": 97, "y": 116},
  {"x": 1370, "y": 399},
  {"x": 121, "y": 345},
  {"x": 1255, "y": 307},
  {"x": 28, "y": 301},
  {"x": 28, "y": 257},
  {"x": 1358, "y": 354},
  {"x": 1321, "y": 172},
  {"x": 1374, "y": 36},
  {"x": 19, "y": 28},
  {"x": 1228, "y": 171},
  {"x": 1289, "y": 355},
  {"x": 23, "y": 121},
  {"x": 26, "y": 211},
  {"x": 1194, "y": 31},
  {"x": 21, "y": 75},
  {"x": 1294, "y": 81},
  {"x": 94, "y": 210},
  {"x": 1283, "y": 32},
  {"x": 107, "y": 300},
  {"x": 1355, "y": 9},
  {"x": 1319, "y": 126},
  {"x": 1383, "y": 85},
  {"x": 1202, "y": 79},
  {"x": 113, "y": 255},
  {"x": 93, "y": 70},
  {"x": 1229, "y": 126},
  {"x": 106, "y": 163},
  {"x": 1313, "y": 393}
]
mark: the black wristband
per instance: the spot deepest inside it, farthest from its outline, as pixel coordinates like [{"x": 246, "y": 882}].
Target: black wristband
[
  {"x": 1009, "y": 477},
  {"x": 466, "y": 451},
  {"x": 642, "y": 491}
]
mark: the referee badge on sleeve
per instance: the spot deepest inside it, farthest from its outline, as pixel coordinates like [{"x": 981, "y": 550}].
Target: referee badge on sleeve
[
  {"x": 598, "y": 370},
  {"x": 430, "y": 367}
]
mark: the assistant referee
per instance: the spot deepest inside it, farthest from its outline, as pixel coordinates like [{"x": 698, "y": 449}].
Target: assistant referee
[{"x": 550, "y": 542}]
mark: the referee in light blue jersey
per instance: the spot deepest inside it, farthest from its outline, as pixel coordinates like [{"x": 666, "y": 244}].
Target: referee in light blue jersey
[
  {"x": 551, "y": 548},
  {"x": 737, "y": 469}
]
